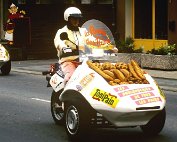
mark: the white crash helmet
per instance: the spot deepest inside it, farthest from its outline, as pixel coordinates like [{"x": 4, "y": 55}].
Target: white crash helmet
[{"x": 72, "y": 11}]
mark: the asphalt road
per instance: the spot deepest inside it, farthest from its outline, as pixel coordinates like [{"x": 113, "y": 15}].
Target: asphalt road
[
  {"x": 25, "y": 115},
  {"x": 167, "y": 84},
  {"x": 25, "y": 110}
]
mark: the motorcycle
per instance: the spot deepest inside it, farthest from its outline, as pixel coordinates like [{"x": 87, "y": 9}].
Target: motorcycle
[
  {"x": 91, "y": 99},
  {"x": 5, "y": 62}
]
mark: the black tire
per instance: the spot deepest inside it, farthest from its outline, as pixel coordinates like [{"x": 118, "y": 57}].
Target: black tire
[
  {"x": 77, "y": 120},
  {"x": 56, "y": 109},
  {"x": 6, "y": 68},
  {"x": 155, "y": 125}
]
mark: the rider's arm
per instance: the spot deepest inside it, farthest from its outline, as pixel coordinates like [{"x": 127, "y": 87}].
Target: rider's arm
[
  {"x": 57, "y": 41},
  {"x": 59, "y": 44},
  {"x": 66, "y": 50}
]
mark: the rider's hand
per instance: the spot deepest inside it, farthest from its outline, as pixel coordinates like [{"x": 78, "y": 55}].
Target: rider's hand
[{"x": 115, "y": 50}]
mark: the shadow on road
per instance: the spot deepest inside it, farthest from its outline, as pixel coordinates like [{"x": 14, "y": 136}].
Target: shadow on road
[{"x": 121, "y": 135}]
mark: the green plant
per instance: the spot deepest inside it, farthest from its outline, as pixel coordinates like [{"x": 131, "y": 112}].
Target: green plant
[
  {"x": 164, "y": 50},
  {"x": 127, "y": 46}
]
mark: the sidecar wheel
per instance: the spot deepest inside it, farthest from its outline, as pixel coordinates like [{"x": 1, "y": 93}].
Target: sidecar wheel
[
  {"x": 155, "y": 125},
  {"x": 56, "y": 109},
  {"x": 77, "y": 121},
  {"x": 6, "y": 68}
]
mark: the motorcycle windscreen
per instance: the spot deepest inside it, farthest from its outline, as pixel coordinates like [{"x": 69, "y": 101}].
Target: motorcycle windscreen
[{"x": 98, "y": 39}]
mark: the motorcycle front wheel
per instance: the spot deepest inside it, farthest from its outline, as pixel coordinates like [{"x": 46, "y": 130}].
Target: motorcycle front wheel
[{"x": 56, "y": 108}]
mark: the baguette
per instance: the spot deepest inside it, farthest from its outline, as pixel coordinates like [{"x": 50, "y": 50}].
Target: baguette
[
  {"x": 95, "y": 68},
  {"x": 119, "y": 74},
  {"x": 108, "y": 72},
  {"x": 133, "y": 71},
  {"x": 137, "y": 69},
  {"x": 125, "y": 72}
]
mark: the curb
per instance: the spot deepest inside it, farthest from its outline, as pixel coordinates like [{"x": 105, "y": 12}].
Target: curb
[
  {"x": 168, "y": 88},
  {"x": 27, "y": 71}
]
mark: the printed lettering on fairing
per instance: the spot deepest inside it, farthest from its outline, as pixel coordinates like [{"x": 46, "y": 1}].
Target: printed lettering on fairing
[{"x": 105, "y": 97}]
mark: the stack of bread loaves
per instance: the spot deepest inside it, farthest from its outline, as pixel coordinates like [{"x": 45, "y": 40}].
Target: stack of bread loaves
[{"x": 120, "y": 72}]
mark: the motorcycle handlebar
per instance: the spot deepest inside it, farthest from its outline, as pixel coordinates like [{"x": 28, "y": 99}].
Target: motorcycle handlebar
[{"x": 45, "y": 72}]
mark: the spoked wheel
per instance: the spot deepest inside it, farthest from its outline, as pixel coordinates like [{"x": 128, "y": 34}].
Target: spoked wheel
[
  {"x": 56, "y": 108},
  {"x": 155, "y": 125},
  {"x": 77, "y": 121}
]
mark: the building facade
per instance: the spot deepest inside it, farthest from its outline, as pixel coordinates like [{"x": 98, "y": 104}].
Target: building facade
[{"x": 151, "y": 23}]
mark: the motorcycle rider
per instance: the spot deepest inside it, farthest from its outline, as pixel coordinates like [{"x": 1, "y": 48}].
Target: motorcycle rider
[
  {"x": 68, "y": 48},
  {"x": 68, "y": 51}
]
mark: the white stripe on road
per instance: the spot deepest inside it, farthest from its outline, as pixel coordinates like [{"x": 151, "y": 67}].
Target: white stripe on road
[{"x": 42, "y": 100}]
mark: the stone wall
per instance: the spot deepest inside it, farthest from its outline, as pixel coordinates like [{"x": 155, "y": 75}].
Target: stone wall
[
  {"x": 148, "y": 61},
  {"x": 161, "y": 62}
]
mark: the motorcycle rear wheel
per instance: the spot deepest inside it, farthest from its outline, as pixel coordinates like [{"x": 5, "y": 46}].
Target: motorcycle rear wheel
[
  {"x": 6, "y": 68},
  {"x": 56, "y": 108}
]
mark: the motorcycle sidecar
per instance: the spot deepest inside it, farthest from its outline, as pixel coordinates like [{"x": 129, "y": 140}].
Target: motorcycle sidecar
[{"x": 89, "y": 101}]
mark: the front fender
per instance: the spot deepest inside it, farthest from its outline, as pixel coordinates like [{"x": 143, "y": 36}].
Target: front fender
[{"x": 72, "y": 95}]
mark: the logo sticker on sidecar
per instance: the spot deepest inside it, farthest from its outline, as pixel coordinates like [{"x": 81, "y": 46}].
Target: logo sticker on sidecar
[
  {"x": 85, "y": 81},
  {"x": 105, "y": 97}
]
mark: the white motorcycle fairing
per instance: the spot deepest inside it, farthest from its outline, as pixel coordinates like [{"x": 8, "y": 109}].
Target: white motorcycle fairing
[
  {"x": 57, "y": 81},
  {"x": 4, "y": 55},
  {"x": 122, "y": 105}
]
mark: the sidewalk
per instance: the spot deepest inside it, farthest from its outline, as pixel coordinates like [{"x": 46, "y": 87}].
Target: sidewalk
[
  {"x": 37, "y": 66},
  {"x": 32, "y": 66}
]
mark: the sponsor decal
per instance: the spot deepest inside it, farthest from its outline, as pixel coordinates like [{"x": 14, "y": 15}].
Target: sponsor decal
[
  {"x": 97, "y": 36},
  {"x": 143, "y": 95},
  {"x": 2, "y": 53},
  {"x": 161, "y": 93},
  {"x": 1, "y": 56},
  {"x": 135, "y": 91},
  {"x": 85, "y": 81},
  {"x": 149, "y": 100},
  {"x": 79, "y": 88},
  {"x": 105, "y": 97},
  {"x": 100, "y": 37},
  {"x": 121, "y": 88},
  {"x": 54, "y": 80},
  {"x": 57, "y": 82}
]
